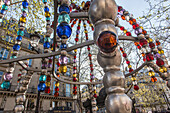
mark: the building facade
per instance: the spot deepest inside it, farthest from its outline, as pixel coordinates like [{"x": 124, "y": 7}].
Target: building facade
[{"x": 47, "y": 101}]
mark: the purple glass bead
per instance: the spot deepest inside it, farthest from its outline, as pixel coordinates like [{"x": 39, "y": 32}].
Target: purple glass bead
[
  {"x": 77, "y": 31},
  {"x": 157, "y": 55},
  {"x": 63, "y": 60},
  {"x": 24, "y": 14},
  {"x": 138, "y": 31},
  {"x": 8, "y": 76},
  {"x": 49, "y": 65},
  {"x": 74, "y": 60},
  {"x": 92, "y": 77},
  {"x": 74, "y": 71},
  {"x": 7, "y": 2}
]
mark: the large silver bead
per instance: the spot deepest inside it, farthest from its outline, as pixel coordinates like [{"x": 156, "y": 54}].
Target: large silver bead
[
  {"x": 118, "y": 103},
  {"x": 19, "y": 108},
  {"x": 20, "y": 99},
  {"x": 93, "y": 102},
  {"x": 65, "y": 2},
  {"x": 24, "y": 82},
  {"x": 103, "y": 9},
  {"x": 102, "y": 26}
]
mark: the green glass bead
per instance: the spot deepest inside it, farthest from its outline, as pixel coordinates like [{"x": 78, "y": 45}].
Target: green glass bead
[
  {"x": 47, "y": 39},
  {"x": 4, "y": 7},
  {"x": 11, "y": 57},
  {"x": 64, "y": 17},
  {"x": 42, "y": 78},
  {"x": 47, "y": 18},
  {"x": 5, "y": 85},
  {"x": 20, "y": 33}
]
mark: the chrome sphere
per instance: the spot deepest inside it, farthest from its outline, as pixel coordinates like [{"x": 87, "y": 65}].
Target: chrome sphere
[
  {"x": 20, "y": 98},
  {"x": 19, "y": 108},
  {"x": 24, "y": 82},
  {"x": 93, "y": 102},
  {"x": 103, "y": 9},
  {"x": 94, "y": 108},
  {"x": 65, "y": 2}
]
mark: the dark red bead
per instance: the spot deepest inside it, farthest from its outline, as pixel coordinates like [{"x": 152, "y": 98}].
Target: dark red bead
[
  {"x": 19, "y": 75},
  {"x": 95, "y": 95},
  {"x": 130, "y": 70},
  {"x": 78, "y": 27},
  {"x": 149, "y": 57},
  {"x": 127, "y": 62},
  {"x": 88, "y": 48},
  {"x": 74, "y": 87},
  {"x": 48, "y": 78},
  {"x": 128, "y": 33},
  {"x": 151, "y": 45},
  {"x": 159, "y": 62},
  {"x": 136, "y": 87},
  {"x": 89, "y": 55},
  {"x": 91, "y": 69},
  {"x": 75, "y": 57},
  {"x": 58, "y": 64},
  {"x": 121, "y": 49},
  {"x": 122, "y": 28},
  {"x": 47, "y": 90},
  {"x": 138, "y": 46},
  {"x": 124, "y": 55},
  {"x": 92, "y": 28},
  {"x": 50, "y": 60},
  {"x": 91, "y": 65},
  {"x": 88, "y": 21},
  {"x": 75, "y": 92},
  {"x": 56, "y": 89},
  {"x": 74, "y": 68},
  {"x": 76, "y": 39},
  {"x": 74, "y": 79},
  {"x": 143, "y": 42},
  {"x": 72, "y": 25},
  {"x": 86, "y": 34},
  {"x": 56, "y": 94},
  {"x": 119, "y": 8}
]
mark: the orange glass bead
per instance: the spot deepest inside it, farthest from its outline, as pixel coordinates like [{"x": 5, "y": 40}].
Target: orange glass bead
[
  {"x": 134, "y": 20},
  {"x": 158, "y": 43},
  {"x": 136, "y": 43},
  {"x": 74, "y": 22},
  {"x": 123, "y": 17},
  {"x": 130, "y": 22},
  {"x": 153, "y": 79},
  {"x": 144, "y": 32},
  {"x": 124, "y": 31},
  {"x": 143, "y": 54}
]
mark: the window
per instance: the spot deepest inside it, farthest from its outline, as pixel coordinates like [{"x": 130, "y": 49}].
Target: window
[
  {"x": 68, "y": 72},
  {"x": 68, "y": 90},
  {"x": 4, "y": 54},
  {"x": 29, "y": 47},
  {"x": 1, "y": 74},
  {"x": 30, "y": 62}
]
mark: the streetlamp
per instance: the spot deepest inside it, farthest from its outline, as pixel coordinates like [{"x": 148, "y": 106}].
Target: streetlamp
[{"x": 35, "y": 38}]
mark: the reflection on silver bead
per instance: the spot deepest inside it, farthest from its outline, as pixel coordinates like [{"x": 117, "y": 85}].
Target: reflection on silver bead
[
  {"x": 63, "y": 52},
  {"x": 102, "y": 9},
  {"x": 20, "y": 98},
  {"x": 65, "y": 2},
  {"x": 19, "y": 108}
]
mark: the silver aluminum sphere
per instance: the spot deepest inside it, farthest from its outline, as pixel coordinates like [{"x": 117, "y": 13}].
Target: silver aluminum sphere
[
  {"x": 93, "y": 102},
  {"x": 19, "y": 108},
  {"x": 103, "y": 9},
  {"x": 109, "y": 62},
  {"x": 24, "y": 82},
  {"x": 20, "y": 98},
  {"x": 118, "y": 103},
  {"x": 65, "y": 2},
  {"x": 102, "y": 26},
  {"x": 22, "y": 88}
]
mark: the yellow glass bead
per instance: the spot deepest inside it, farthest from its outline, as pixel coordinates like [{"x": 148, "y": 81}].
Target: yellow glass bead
[
  {"x": 63, "y": 69},
  {"x": 162, "y": 51},
  {"x": 141, "y": 27},
  {"x": 74, "y": 75},
  {"x": 75, "y": 50},
  {"x": 79, "y": 24},
  {"x": 90, "y": 25},
  {"x": 150, "y": 39},
  {"x": 159, "y": 52},
  {"x": 23, "y": 19},
  {"x": 48, "y": 84},
  {"x": 83, "y": 4},
  {"x": 153, "y": 74},
  {"x": 85, "y": 31},
  {"x": 47, "y": 14},
  {"x": 161, "y": 70},
  {"x": 150, "y": 73},
  {"x": 133, "y": 78},
  {"x": 124, "y": 31},
  {"x": 84, "y": 25},
  {"x": 129, "y": 66},
  {"x": 95, "y": 91},
  {"x": 57, "y": 84},
  {"x": 165, "y": 69}
]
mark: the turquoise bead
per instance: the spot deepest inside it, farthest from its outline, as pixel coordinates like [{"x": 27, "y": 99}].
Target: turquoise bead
[
  {"x": 42, "y": 78},
  {"x": 47, "y": 39},
  {"x": 47, "y": 18},
  {"x": 64, "y": 17},
  {"x": 4, "y": 7},
  {"x": 5, "y": 85},
  {"x": 13, "y": 57},
  {"x": 44, "y": 1},
  {"x": 20, "y": 33}
]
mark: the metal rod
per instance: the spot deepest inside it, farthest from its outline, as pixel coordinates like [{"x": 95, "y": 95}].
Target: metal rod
[{"x": 38, "y": 101}]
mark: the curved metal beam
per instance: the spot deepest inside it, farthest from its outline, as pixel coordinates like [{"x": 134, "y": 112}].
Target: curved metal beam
[{"x": 77, "y": 83}]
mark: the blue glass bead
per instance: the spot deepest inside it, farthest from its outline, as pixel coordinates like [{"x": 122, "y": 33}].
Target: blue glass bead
[
  {"x": 64, "y": 30},
  {"x": 46, "y": 45},
  {"x": 44, "y": 1},
  {"x": 41, "y": 87},
  {"x": 24, "y": 10},
  {"x": 2, "y": 11},
  {"x": 46, "y": 9},
  {"x": 5, "y": 85},
  {"x": 25, "y": 4},
  {"x": 20, "y": 33},
  {"x": 47, "y": 18},
  {"x": 42, "y": 78},
  {"x": 64, "y": 17},
  {"x": 4, "y": 7},
  {"x": 47, "y": 39},
  {"x": 64, "y": 8},
  {"x": 19, "y": 38},
  {"x": 16, "y": 47},
  {"x": 63, "y": 46}
]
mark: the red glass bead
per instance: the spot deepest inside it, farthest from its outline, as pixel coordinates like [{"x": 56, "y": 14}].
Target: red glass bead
[
  {"x": 47, "y": 90},
  {"x": 135, "y": 26},
  {"x": 149, "y": 57},
  {"x": 75, "y": 57},
  {"x": 119, "y": 8},
  {"x": 56, "y": 94},
  {"x": 91, "y": 65},
  {"x": 130, "y": 70},
  {"x": 75, "y": 92},
  {"x": 127, "y": 62},
  {"x": 90, "y": 58},
  {"x": 56, "y": 89},
  {"x": 48, "y": 78},
  {"x": 92, "y": 28},
  {"x": 86, "y": 34},
  {"x": 91, "y": 69},
  {"x": 76, "y": 39},
  {"x": 74, "y": 87},
  {"x": 159, "y": 62},
  {"x": 95, "y": 95},
  {"x": 122, "y": 28},
  {"x": 144, "y": 59},
  {"x": 72, "y": 25},
  {"x": 128, "y": 33},
  {"x": 89, "y": 55},
  {"x": 19, "y": 75},
  {"x": 124, "y": 55},
  {"x": 121, "y": 49},
  {"x": 74, "y": 79},
  {"x": 143, "y": 42},
  {"x": 136, "y": 87},
  {"x": 88, "y": 48},
  {"x": 58, "y": 64},
  {"x": 74, "y": 68},
  {"x": 78, "y": 27},
  {"x": 144, "y": 32},
  {"x": 151, "y": 45},
  {"x": 50, "y": 60},
  {"x": 138, "y": 46},
  {"x": 88, "y": 21}
]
